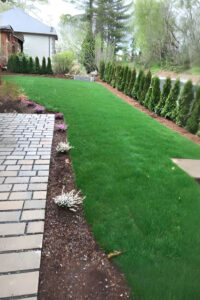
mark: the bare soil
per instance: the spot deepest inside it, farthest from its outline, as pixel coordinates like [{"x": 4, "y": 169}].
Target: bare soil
[
  {"x": 168, "y": 123},
  {"x": 73, "y": 266}
]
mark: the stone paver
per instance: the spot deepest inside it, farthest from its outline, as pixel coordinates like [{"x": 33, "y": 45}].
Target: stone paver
[
  {"x": 191, "y": 166},
  {"x": 25, "y": 149}
]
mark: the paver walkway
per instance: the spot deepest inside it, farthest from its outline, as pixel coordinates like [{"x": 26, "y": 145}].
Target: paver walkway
[
  {"x": 25, "y": 148},
  {"x": 191, "y": 166}
]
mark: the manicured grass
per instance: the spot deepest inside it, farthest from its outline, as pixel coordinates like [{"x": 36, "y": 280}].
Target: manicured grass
[{"x": 136, "y": 199}]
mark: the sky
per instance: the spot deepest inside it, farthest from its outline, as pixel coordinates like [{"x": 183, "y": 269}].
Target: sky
[{"x": 50, "y": 13}]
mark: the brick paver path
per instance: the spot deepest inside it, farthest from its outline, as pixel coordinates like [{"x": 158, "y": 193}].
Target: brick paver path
[{"x": 25, "y": 147}]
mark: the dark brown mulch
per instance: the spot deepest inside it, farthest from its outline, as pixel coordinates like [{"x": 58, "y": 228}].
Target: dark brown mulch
[
  {"x": 161, "y": 120},
  {"x": 73, "y": 266}
]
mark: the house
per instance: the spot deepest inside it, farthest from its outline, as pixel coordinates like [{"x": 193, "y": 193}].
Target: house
[
  {"x": 39, "y": 39},
  {"x": 10, "y": 43}
]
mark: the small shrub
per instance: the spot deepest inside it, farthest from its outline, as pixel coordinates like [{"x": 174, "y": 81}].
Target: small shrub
[
  {"x": 192, "y": 124},
  {"x": 71, "y": 200},
  {"x": 63, "y": 147},
  {"x": 101, "y": 69},
  {"x": 61, "y": 127},
  {"x": 185, "y": 100},
  {"x": 49, "y": 67},
  {"x": 169, "y": 110},
  {"x": 165, "y": 93},
  {"x": 63, "y": 62},
  {"x": 146, "y": 86},
  {"x": 132, "y": 82},
  {"x": 59, "y": 116},
  {"x": 137, "y": 84},
  {"x": 39, "y": 109},
  {"x": 37, "y": 65},
  {"x": 128, "y": 78},
  {"x": 155, "y": 95}
]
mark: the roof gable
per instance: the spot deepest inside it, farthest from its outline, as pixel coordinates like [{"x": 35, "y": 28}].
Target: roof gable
[{"x": 22, "y": 22}]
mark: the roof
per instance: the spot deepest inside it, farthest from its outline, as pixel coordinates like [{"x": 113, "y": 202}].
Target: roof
[
  {"x": 6, "y": 28},
  {"x": 23, "y": 23},
  {"x": 9, "y": 28}
]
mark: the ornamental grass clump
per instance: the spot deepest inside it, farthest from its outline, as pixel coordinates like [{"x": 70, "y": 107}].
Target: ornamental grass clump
[
  {"x": 39, "y": 109},
  {"x": 63, "y": 147},
  {"x": 70, "y": 200},
  {"x": 59, "y": 116},
  {"x": 61, "y": 127}
]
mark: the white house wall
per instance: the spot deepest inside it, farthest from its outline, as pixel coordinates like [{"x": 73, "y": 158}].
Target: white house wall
[{"x": 39, "y": 45}]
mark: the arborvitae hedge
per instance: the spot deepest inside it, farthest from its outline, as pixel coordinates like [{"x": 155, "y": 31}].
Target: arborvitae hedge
[
  {"x": 193, "y": 121},
  {"x": 137, "y": 85},
  {"x": 117, "y": 75},
  {"x": 124, "y": 78},
  {"x": 145, "y": 87},
  {"x": 30, "y": 65},
  {"x": 43, "y": 69},
  {"x": 141, "y": 87},
  {"x": 169, "y": 110},
  {"x": 165, "y": 93},
  {"x": 49, "y": 67},
  {"x": 24, "y": 65},
  {"x": 110, "y": 73},
  {"x": 148, "y": 95},
  {"x": 37, "y": 65},
  {"x": 128, "y": 78},
  {"x": 101, "y": 69},
  {"x": 119, "y": 79},
  {"x": 185, "y": 100},
  {"x": 113, "y": 80},
  {"x": 132, "y": 82},
  {"x": 155, "y": 96}
]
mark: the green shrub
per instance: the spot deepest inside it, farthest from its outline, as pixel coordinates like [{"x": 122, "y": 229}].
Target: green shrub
[
  {"x": 24, "y": 64},
  {"x": 128, "y": 78},
  {"x": 49, "y": 67},
  {"x": 165, "y": 93},
  {"x": 124, "y": 78},
  {"x": 110, "y": 73},
  {"x": 101, "y": 69},
  {"x": 145, "y": 87},
  {"x": 13, "y": 63},
  {"x": 37, "y": 65},
  {"x": 155, "y": 96},
  {"x": 119, "y": 79},
  {"x": 63, "y": 62},
  {"x": 107, "y": 71},
  {"x": 192, "y": 124},
  {"x": 169, "y": 110},
  {"x": 141, "y": 87},
  {"x": 113, "y": 76},
  {"x": 185, "y": 100},
  {"x": 30, "y": 65},
  {"x": 132, "y": 82},
  {"x": 117, "y": 75},
  {"x": 148, "y": 95},
  {"x": 43, "y": 69},
  {"x": 88, "y": 52},
  {"x": 137, "y": 85}
]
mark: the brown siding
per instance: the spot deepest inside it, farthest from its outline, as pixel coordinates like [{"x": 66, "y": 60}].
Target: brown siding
[{"x": 9, "y": 45}]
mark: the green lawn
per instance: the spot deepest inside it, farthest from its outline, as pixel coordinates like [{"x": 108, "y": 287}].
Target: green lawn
[{"x": 135, "y": 199}]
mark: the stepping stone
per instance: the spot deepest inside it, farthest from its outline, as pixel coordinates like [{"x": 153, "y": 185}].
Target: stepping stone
[{"x": 190, "y": 166}]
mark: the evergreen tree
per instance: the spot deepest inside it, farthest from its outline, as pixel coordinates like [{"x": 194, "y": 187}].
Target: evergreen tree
[
  {"x": 185, "y": 100},
  {"x": 43, "y": 69},
  {"x": 148, "y": 96},
  {"x": 88, "y": 52},
  {"x": 113, "y": 81},
  {"x": 110, "y": 73},
  {"x": 137, "y": 84},
  {"x": 145, "y": 87},
  {"x": 141, "y": 87},
  {"x": 101, "y": 69},
  {"x": 169, "y": 110},
  {"x": 164, "y": 96},
  {"x": 49, "y": 67},
  {"x": 119, "y": 79},
  {"x": 30, "y": 65},
  {"x": 127, "y": 82},
  {"x": 192, "y": 124},
  {"x": 107, "y": 71},
  {"x": 124, "y": 78},
  {"x": 24, "y": 65},
  {"x": 17, "y": 64},
  {"x": 155, "y": 96},
  {"x": 132, "y": 82},
  {"x": 37, "y": 65}
]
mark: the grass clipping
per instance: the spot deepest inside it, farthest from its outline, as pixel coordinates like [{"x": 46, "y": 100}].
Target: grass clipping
[{"x": 70, "y": 200}]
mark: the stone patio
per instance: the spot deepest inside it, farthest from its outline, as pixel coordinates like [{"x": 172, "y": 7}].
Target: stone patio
[
  {"x": 191, "y": 166},
  {"x": 25, "y": 148}
]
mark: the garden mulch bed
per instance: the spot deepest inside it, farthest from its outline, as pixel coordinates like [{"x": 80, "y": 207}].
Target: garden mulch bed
[
  {"x": 73, "y": 266},
  {"x": 161, "y": 120}
]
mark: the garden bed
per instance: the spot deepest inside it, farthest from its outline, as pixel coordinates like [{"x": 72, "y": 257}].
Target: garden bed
[{"x": 73, "y": 266}]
